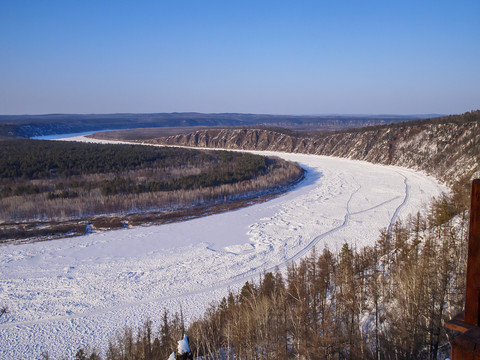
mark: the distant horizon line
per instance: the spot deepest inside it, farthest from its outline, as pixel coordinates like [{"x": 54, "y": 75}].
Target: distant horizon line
[{"x": 239, "y": 113}]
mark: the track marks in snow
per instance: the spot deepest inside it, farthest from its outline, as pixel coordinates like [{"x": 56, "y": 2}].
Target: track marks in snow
[
  {"x": 404, "y": 202},
  {"x": 317, "y": 239},
  {"x": 376, "y": 206}
]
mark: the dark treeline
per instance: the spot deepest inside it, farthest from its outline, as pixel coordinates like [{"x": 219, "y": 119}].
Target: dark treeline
[
  {"x": 36, "y": 159},
  {"x": 386, "y": 301},
  {"x": 227, "y": 169}
]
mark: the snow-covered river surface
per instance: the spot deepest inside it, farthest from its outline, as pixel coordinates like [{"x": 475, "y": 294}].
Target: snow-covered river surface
[{"x": 68, "y": 293}]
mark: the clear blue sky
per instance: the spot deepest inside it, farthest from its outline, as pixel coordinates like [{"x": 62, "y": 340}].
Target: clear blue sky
[{"x": 278, "y": 57}]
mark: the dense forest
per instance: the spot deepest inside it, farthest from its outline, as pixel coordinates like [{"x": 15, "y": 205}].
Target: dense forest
[
  {"x": 43, "y": 181},
  {"x": 387, "y": 301},
  {"x": 32, "y": 160}
]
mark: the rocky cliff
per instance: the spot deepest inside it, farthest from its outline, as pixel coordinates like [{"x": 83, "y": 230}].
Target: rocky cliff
[{"x": 447, "y": 148}]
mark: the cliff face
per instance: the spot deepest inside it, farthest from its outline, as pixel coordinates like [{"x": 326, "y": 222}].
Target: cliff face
[{"x": 446, "y": 150}]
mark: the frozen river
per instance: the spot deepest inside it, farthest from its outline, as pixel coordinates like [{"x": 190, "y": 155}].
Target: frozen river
[{"x": 67, "y": 293}]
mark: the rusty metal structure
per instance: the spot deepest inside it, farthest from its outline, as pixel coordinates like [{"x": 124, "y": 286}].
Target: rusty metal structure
[{"x": 467, "y": 344}]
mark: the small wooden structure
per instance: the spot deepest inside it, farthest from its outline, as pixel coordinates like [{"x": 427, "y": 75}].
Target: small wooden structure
[{"x": 467, "y": 344}]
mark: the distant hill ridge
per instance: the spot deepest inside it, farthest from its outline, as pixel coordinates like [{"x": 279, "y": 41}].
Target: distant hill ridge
[
  {"x": 38, "y": 125},
  {"x": 447, "y": 147}
]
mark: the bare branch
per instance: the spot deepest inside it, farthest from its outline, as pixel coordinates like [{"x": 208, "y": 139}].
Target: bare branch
[{"x": 3, "y": 310}]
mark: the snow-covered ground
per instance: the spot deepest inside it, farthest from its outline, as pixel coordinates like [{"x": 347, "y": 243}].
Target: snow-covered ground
[{"x": 67, "y": 293}]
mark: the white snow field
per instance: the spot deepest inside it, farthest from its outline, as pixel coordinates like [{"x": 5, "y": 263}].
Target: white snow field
[{"x": 68, "y": 293}]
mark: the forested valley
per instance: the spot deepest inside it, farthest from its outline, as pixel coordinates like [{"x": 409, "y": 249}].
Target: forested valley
[
  {"x": 58, "y": 184},
  {"x": 387, "y": 301}
]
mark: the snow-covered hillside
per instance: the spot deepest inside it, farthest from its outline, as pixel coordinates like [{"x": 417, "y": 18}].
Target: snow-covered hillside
[
  {"x": 74, "y": 292},
  {"x": 447, "y": 148}
]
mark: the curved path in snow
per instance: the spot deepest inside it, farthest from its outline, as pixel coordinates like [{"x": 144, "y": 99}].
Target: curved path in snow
[
  {"x": 67, "y": 293},
  {"x": 397, "y": 210}
]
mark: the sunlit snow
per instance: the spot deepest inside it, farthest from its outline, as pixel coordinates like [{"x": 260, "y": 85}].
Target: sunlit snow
[
  {"x": 182, "y": 347},
  {"x": 68, "y": 293}
]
